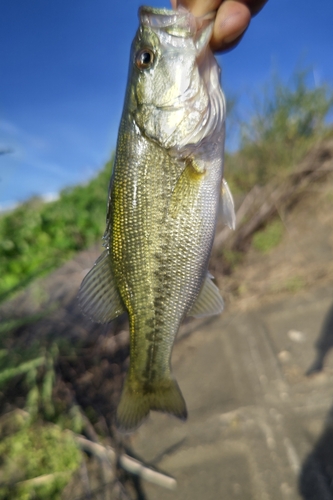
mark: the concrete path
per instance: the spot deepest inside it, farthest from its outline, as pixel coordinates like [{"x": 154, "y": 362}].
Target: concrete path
[{"x": 258, "y": 427}]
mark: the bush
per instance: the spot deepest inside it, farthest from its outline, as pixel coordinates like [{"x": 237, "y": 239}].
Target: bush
[
  {"x": 269, "y": 237},
  {"x": 36, "y": 451},
  {"x": 288, "y": 119},
  {"x": 37, "y": 237}
]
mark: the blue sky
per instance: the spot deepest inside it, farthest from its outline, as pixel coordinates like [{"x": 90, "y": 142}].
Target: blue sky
[{"x": 63, "y": 70}]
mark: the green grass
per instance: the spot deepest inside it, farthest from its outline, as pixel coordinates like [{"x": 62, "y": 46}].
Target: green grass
[
  {"x": 35, "y": 451},
  {"x": 295, "y": 284},
  {"x": 232, "y": 257},
  {"x": 269, "y": 237},
  {"x": 36, "y": 442}
]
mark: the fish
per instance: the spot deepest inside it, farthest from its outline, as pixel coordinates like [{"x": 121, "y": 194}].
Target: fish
[{"x": 164, "y": 198}]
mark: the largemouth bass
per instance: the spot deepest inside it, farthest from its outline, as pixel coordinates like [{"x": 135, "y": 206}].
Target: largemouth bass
[{"x": 163, "y": 203}]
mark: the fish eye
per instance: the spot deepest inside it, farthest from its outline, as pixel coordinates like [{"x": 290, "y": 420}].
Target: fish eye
[{"x": 144, "y": 58}]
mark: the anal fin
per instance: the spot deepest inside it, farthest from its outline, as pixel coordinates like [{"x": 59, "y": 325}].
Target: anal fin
[
  {"x": 209, "y": 301},
  {"x": 98, "y": 296}
]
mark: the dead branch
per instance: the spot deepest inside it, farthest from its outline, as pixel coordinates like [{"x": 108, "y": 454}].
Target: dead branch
[
  {"x": 126, "y": 462},
  {"x": 261, "y": 204}
]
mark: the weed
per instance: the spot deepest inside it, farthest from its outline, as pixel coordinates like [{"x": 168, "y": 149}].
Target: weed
[
  {"x": 295, "y": 284},
  {"x": 37, "y": 462},
  {"x": 269, "y": 237},
  {"x": 232, "y": 257},
  {"x": 37, "y": 237},
  {"x": 288, "y": 119}
]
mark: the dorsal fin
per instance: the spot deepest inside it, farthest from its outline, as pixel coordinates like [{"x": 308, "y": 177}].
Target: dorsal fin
[{"x": 227, "y": 206}]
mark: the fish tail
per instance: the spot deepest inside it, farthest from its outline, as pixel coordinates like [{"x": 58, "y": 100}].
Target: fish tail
[{"x": 136, "y": 403}]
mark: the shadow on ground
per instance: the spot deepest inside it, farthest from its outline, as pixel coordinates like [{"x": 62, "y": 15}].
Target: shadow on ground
[
  {"x": 316, "y": 477},
  {"x": 324, "y": 344}
]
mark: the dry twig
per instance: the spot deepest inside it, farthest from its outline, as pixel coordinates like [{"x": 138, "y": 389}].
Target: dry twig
[{"x": 126, "y": 462}]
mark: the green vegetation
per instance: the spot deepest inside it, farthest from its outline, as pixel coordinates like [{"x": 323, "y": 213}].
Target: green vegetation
[
  {"x": 288, "y": 119},
  {"x": 37, "y": 237},
  {"x": 37, "y": 462},
  {"x": 38, "y": 453},
  {"x": 295, "y": 284},
  {"x": 231, "y": 257},
  {"x": 269, "y": 237}
]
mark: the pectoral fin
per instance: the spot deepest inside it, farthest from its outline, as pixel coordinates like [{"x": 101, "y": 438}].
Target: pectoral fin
[
  {"x": 209, "y": 301},
  {"x": 98, "y": 296},
  {"x": 186, "y": 187},
  {"x": 227, "y": 206}
]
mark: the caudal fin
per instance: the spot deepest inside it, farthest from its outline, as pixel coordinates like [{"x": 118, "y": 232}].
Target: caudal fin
[{"x": 135, "y": 404}]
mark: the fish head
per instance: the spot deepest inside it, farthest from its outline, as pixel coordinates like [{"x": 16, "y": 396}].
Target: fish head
[{"x": 175, "y": 94}]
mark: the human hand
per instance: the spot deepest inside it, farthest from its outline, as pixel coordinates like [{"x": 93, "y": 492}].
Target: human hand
[{"x": 232, "y": 18}]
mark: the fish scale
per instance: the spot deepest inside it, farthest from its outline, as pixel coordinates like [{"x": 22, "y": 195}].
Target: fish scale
[
  {"x": 152, "y": 249},
  {"x": 154, "y": 265}
]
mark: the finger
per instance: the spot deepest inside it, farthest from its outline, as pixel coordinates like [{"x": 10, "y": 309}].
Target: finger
[
  {"x": 198, "y": 8},
  {"x": 202, "y": 7},
  {"x": 232, "y": 19}
]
